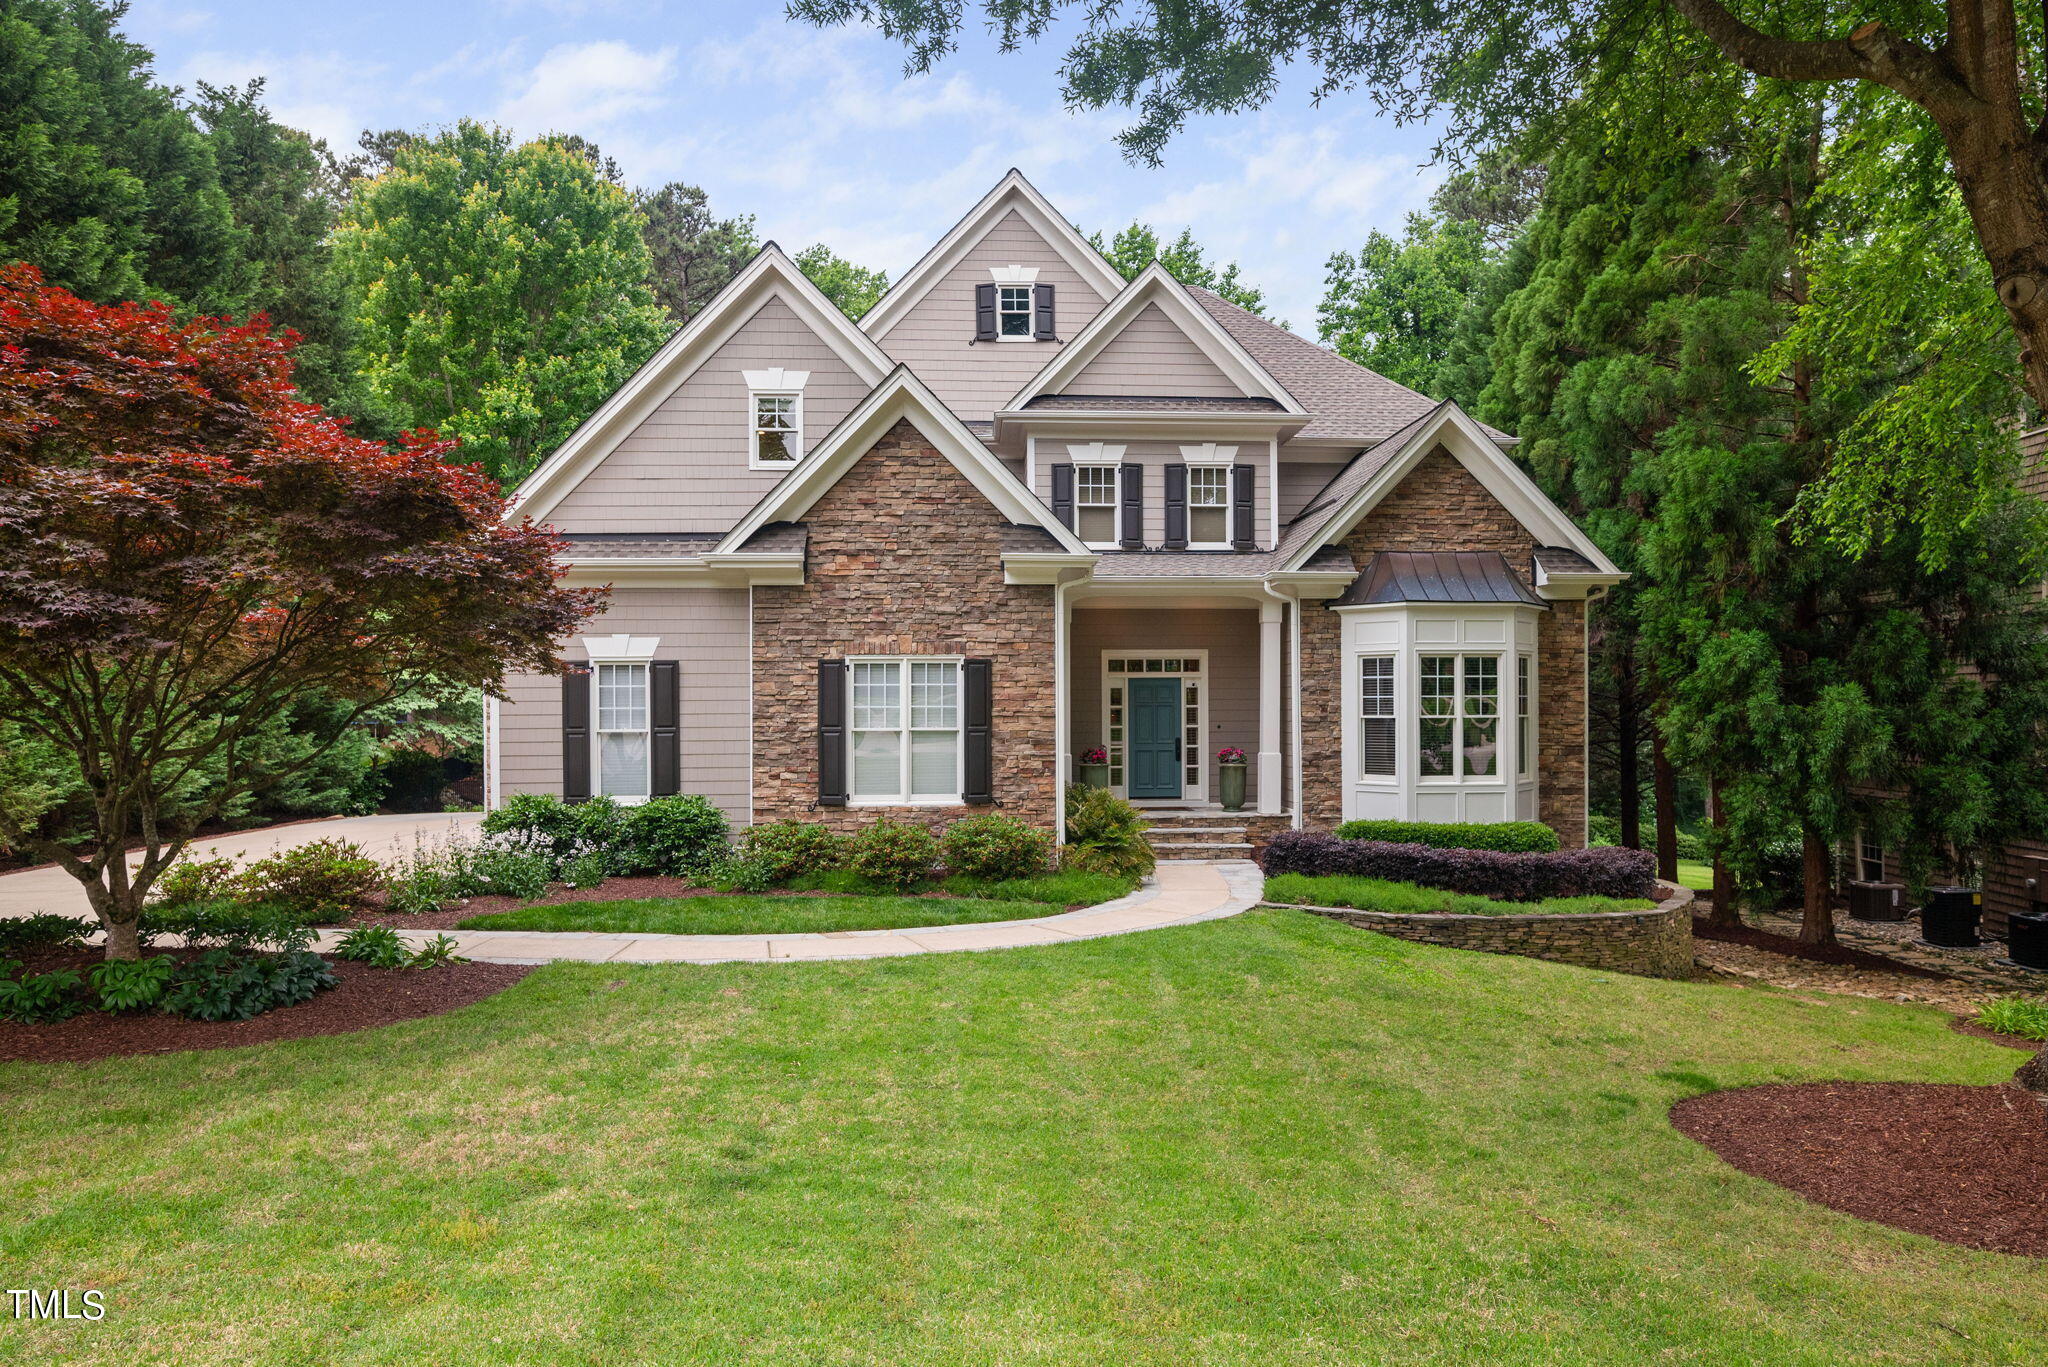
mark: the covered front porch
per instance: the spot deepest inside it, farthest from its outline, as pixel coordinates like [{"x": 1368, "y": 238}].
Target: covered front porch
[{"x": 1163, "y": 679}]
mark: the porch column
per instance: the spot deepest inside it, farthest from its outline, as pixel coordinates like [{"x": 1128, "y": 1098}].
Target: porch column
[{"x": 1272, "y": 782}]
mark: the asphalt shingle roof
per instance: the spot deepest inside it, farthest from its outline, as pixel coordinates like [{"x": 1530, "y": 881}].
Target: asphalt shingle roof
[
  {"x": 1152, "y": 403},
  {"x": 622, "y": 545}
]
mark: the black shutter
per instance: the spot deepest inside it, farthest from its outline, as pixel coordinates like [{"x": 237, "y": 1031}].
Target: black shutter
[
  {"x": 832, "y": 733},
  {"x": 664, "y": 719},
  {"x": 1242, "y": 513},
  {"x": 977, "y": 783},
  {"x": 576, "y": 734},
  {"x": 1041, "y": 312},
  {"x": 1176, "y": 507},
  {"x": 1134, "y": 507},
  {"x": 1063, "y": 495},
  {"x": 984, "y": 313}
]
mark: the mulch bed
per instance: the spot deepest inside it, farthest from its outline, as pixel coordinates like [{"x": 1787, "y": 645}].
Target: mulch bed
[
  {"x": 1841, "y": 954},
  {"x": 366, "y": 997},
  {"x": 1963, "y": 1025},
  {"x": 1966, "y": 1165}
]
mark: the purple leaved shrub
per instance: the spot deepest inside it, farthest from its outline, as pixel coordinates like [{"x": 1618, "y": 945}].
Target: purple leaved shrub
[{"x": 1604, "y": 871}]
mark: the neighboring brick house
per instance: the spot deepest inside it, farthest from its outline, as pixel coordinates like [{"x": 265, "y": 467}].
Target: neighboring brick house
[{"x": 1023, "y": 508}]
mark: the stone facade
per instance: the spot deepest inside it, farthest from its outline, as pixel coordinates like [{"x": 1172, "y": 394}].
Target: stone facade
[
  {"x": 1652, "y": 944},
  {"x": 904, "y": 559},
  {"x": 1441, "y": 507}
]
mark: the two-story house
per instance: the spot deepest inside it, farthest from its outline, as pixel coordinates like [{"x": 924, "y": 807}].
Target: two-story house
[{"x": 1023, "y": 509}]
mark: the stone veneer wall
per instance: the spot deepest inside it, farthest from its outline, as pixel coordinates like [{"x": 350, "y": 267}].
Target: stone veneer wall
[
  {"x": 904, "y": 559},
  {"x": 1651, "y": 944},
  {"x": 1441, "y": 507}
]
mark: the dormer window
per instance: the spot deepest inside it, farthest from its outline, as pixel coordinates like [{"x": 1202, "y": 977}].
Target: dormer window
[
  {"x": 1013, "y": 310},
  {"x": 775, "y": 405}
]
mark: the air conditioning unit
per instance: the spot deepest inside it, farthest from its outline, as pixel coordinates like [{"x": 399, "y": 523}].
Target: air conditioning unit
[
  {"x": 1878, "y": 902},
  {"x": 1950, "y": 917}
]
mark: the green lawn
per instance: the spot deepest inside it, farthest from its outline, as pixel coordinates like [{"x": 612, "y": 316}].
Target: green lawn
[
  {"x": 1272, "y": 1139},
  {"x": 761, "y": 915},
  {"x": 1695, "y": 875},
  {"x": 1378, "y": 894}
]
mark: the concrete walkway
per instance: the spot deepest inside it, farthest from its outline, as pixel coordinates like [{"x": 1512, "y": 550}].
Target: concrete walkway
[
  {"x": 382, "y": 837},
  {"x": 1179, "y": 894}
]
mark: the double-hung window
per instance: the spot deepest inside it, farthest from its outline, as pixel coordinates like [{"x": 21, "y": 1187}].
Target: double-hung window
[
  {"x": 1869, "y": 859},
  {"x": 1525, "y": 742},
  {"x": 1459, "y": 733},
  {"x": 905, "y": 732},
  {"x": 1013, "y": 310},
  {"x": 1095, "y": 504},
  {"x": 1209, "y": 506},
  {"x": 623, "y": 743},
  {"x": 1377, "y": 724},
  {"x": 778, "y": 429}
]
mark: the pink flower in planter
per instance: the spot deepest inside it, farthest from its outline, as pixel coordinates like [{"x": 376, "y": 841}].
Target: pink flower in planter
[
  {"x": 1230, "y": 754},
  {"x": 1095, "y": 754}
]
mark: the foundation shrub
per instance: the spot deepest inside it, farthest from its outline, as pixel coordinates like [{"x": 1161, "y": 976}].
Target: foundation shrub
[
  {"x": 995, "y": 847},
  {"x": 894, "y": 854},
  {"x": 1509, "y": 837},
  {"x": 1606, "y": 871}
]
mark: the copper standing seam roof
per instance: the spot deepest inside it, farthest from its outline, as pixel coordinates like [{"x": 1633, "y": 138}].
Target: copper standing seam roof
[{"x": 1438, "y": 577}]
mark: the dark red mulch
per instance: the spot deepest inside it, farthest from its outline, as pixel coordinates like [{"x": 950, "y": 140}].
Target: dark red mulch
[
  {"x": 1966, "y": 1165},
  {"x": 1840, "y": 954},
  {"x": 1962, "y": 1025},
  {"x": 366, "y": 997}
]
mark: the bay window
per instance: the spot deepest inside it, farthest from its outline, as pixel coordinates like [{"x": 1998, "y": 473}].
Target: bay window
[
  {"x": 905, "y": 730},
  {"x": 1525, "y": 742}
]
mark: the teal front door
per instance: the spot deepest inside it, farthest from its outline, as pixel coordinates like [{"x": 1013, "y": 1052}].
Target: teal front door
[{"x": 1152, "y": 750}]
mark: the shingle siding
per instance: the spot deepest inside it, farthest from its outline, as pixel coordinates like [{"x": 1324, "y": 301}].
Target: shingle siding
[
  {"x": 935, "y": 337},
  {"x": 1153, "y": 356},
  {"x": 685, "y": 468}
]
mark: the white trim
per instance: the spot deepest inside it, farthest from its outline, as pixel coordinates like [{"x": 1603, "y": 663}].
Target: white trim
[
  {"x": 1469, "y": 444},
  {"x": 1209, "y": 453},
  {"x": 1273, "y": 490},
  {"x": 776, "y": 378},
  {"x": 904, "y": 797},
  {"x": 1062, "y": 709},
  {"x": 1013, "y": 191},
  {"x": 620, "y": 648},
  {"x": 901, "y": 396},
  {"x": 1154, "y": 285},
  {"x": 492, "y": 758},
  {"x": 1207, "y": 686},
  {"x": 1116, "y": 498},
  {"x": 755, "y": 460},
  {"x": 1229, "y": 503},
  {"x": 1095, "y": 453},
  {"x": 770, "y": 275},
  {"x": 1014, "y": 275},
  {"x": 598, "y": 732}
]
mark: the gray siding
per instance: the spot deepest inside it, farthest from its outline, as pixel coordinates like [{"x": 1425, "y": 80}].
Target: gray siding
[
  {"x": 1155, "y": 456},
  {"x": 685, "y": 468},
  {"x": 1230, "y": 635},
  {"x": 708, "y": 631},
  {"x": 1302, "y": 480},
  {"x": 935, "y": 338},
  {"x": 1153, "y": 356}
]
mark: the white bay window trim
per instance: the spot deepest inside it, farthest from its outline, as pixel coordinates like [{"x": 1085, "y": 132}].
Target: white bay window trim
[
  {"x": 904, "y": 733},
  {"x": 1452, "y": 692}
]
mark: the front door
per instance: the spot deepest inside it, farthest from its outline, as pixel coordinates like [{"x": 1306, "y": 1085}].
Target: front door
[{"x": 1152, "y": 752}]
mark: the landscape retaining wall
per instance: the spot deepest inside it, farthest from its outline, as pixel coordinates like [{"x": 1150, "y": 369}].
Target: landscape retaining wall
[{"x": 1654, "y": 944}]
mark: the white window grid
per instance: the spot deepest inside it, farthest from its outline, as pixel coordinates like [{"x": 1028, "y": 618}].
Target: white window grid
[
  {"x": 1013, "y": 310},
  {"x": 1209, "y": 505},
  {"x": 1095, "y": 503},
  {"x": 1458, "y": 716},
  {"x": 624, "y": 742},
  {"x": 905, "y": 709},
  {"x": 778, "y": 429},
  {"x": 1525, "y": 741},
  {"x": 1379, "y": 726}
]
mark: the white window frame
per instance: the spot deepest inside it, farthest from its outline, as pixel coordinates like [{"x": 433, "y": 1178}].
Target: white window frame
[
  {"x": 1194, "y": 719},
  {"x": 1868, "y": 851},
  {"x": 1525, "y": 716},
  {"x": 1003, "y": 293},
  {"x": 1229, "y": 503},
  {"x": 904, "y": 797},
  {"x": 1370, "y": 709},
  {"x": 776, "y": 383},
  {"x": 1114, "y": 465}
]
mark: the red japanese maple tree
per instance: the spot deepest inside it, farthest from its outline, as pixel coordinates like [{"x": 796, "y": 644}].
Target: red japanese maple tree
[{"x": 186, "y": 549}]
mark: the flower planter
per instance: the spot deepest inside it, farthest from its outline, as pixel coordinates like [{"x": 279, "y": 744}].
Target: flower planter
[
  {"x": 1094, "y": 775},
  {"x": 1230, "y": 786}
]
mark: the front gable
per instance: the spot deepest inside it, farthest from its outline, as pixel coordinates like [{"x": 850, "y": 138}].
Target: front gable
[
  {"x": 1153, "y": 356},
  {"x": 669, "y": 452}
]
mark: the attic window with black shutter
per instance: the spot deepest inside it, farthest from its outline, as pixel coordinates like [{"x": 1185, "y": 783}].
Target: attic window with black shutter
[{"x": 1013, "y": 310}]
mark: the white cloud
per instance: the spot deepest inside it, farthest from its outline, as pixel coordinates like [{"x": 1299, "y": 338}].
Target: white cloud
[
  {"x": 583, "y": 87},
  {"x": 325, "y": 94}
]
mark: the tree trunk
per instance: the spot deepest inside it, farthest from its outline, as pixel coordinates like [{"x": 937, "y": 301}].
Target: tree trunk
[
  {"x": 118, "y": 907},
  {"x": 1628, "y": 727},
  {"x": 1817, "y": 927},
  {"x": 1665, "y": 781},
  {"x": 1726, "y": 894}
]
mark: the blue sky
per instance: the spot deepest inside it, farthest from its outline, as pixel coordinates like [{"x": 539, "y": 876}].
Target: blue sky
[{"x": 816, "y": 133}]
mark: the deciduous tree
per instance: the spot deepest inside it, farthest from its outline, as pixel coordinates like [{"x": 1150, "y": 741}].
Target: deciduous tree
[
  {"x": 854, "y": 288},
  {"x": 1185, "y": 259},
  {"x": 187, "y": 553}
]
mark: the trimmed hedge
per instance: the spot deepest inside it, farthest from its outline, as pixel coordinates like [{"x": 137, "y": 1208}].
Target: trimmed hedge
[
  {"x": 1509, "y": 837},
  {"x": 1607, "y": 871}
]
